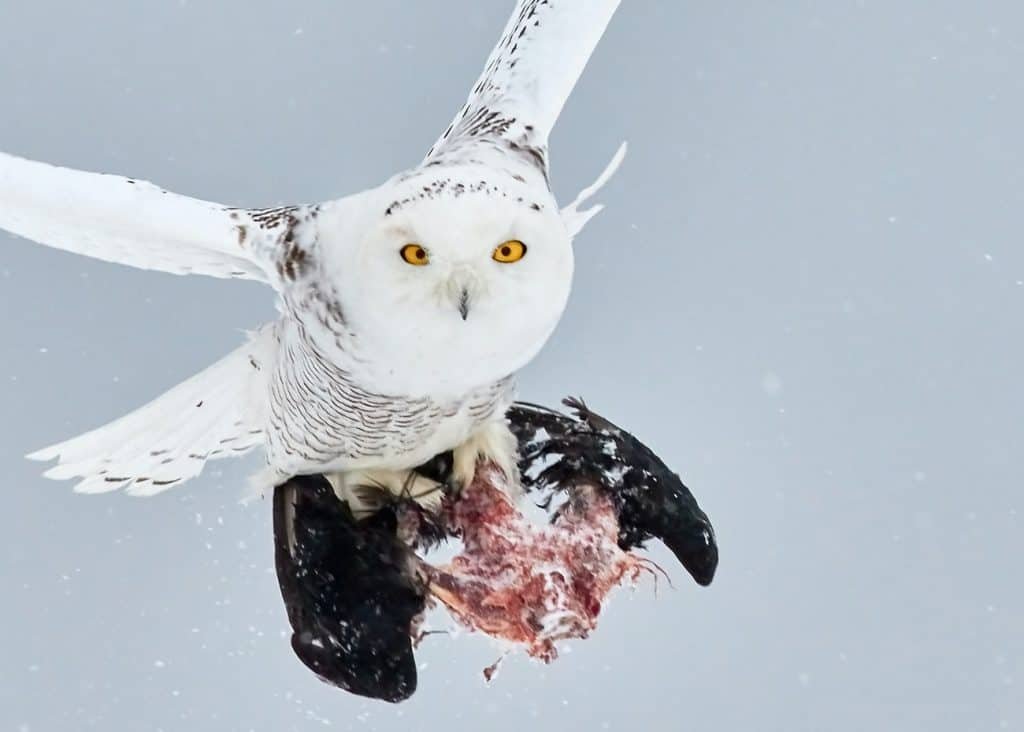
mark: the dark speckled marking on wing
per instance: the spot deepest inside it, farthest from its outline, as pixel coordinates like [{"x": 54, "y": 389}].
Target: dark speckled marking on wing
[
  {"x": 485, "y": 119},
  {"x": 525, "y": 83},
  {"x": 286, "y": 237}
]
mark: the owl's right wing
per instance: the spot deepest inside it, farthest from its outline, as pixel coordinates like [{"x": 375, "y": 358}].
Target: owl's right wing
[
  {"x": 139, "y": 224},
  {"x": 526, "y": 81}
]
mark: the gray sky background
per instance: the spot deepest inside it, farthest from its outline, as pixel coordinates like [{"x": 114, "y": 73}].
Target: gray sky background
[{"x": 805, "y": 294}]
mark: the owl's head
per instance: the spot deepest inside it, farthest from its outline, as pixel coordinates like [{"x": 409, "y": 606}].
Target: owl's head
[{"x": 453, "y": 281}]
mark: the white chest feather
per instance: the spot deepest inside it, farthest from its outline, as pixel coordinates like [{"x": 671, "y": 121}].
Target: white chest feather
[{"x": 322, "y": 417}]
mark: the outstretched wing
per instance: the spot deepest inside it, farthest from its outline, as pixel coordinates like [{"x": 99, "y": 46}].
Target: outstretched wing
[
  {"x": 527, "y": 80},
  {"x": 137, "y": 223}
]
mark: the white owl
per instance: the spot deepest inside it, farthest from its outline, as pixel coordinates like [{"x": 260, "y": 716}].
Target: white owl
[{"x": 405, "y": 310}]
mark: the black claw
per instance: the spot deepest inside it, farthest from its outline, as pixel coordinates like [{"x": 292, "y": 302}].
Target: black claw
[
  {"x": 558, "y": 451},
  {"x": 438, "y": 468},
  {"x": 349, "y": 590}
]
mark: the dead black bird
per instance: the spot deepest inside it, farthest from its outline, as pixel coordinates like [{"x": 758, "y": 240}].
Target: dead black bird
[{"x": 351, "y": 589}]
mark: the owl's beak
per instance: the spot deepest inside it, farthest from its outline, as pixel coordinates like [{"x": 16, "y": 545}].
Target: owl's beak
[{"x": 460, "y": 289}]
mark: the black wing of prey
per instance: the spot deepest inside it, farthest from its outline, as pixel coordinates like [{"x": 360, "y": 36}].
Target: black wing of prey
[{"x": 349, "y": 586}]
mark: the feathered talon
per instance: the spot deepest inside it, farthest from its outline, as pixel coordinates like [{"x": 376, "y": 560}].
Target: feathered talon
[
  {"x": 367, "y": 491},
  {"x": 494, "y": 443}
]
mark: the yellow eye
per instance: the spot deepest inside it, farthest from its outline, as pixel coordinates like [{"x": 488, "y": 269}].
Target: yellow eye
[
  {"x": 511, "y": 251},
  {"x": 415, "y": 255}
]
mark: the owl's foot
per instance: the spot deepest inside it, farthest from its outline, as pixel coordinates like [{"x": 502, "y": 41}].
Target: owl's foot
[
  {"x": 494, "y": 443},
  {"x": 367, "y": 491}
]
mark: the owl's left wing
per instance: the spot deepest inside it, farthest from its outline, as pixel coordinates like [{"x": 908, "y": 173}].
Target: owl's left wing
[
  {"x": 142, "y": 225},
  {"x": 527, "y": 80}
]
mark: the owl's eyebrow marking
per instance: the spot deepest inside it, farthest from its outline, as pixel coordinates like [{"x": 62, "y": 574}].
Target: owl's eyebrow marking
[{"x": 445, "y": 187}]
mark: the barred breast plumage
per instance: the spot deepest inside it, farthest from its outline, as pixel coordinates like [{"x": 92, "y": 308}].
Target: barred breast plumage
[{"x": 321, "y": 418}]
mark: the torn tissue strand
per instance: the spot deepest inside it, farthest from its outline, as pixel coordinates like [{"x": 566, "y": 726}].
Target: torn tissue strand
[{"x": 528, "y": 584}]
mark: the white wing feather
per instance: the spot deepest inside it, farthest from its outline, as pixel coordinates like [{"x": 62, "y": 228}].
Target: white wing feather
[
  {"x": 131, "y": 222},
  {"x": 216, "y": 413},
  {"x": 528, "y": 77}
]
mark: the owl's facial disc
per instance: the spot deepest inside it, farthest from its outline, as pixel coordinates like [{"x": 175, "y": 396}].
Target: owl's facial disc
[{"x": 452, "y": 293}]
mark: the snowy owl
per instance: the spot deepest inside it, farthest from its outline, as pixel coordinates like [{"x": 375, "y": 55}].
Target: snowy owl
[{"x": 405, "y": 310}]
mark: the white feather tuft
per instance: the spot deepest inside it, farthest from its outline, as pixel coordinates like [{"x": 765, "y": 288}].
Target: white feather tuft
[{"x": 575, "y": 219}]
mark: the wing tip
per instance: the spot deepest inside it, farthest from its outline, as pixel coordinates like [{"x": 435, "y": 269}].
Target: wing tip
[
  {"x": 43, "y": 454},
  {"x": 620, "y": 153},
  {"x": 609, "y": 170},
  {"x": 613, "y": 164},
  {"x": 93, "y": 487},
  {"x": 575, "y": 219},
  {"x": 64, "y": 471}
]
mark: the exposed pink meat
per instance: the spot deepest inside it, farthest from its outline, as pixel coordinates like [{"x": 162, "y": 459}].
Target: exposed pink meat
[{"x": 528, "y": 584}]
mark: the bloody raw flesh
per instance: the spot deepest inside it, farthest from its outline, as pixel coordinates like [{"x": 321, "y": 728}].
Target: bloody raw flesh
[{"x": 527, "y": 584}]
